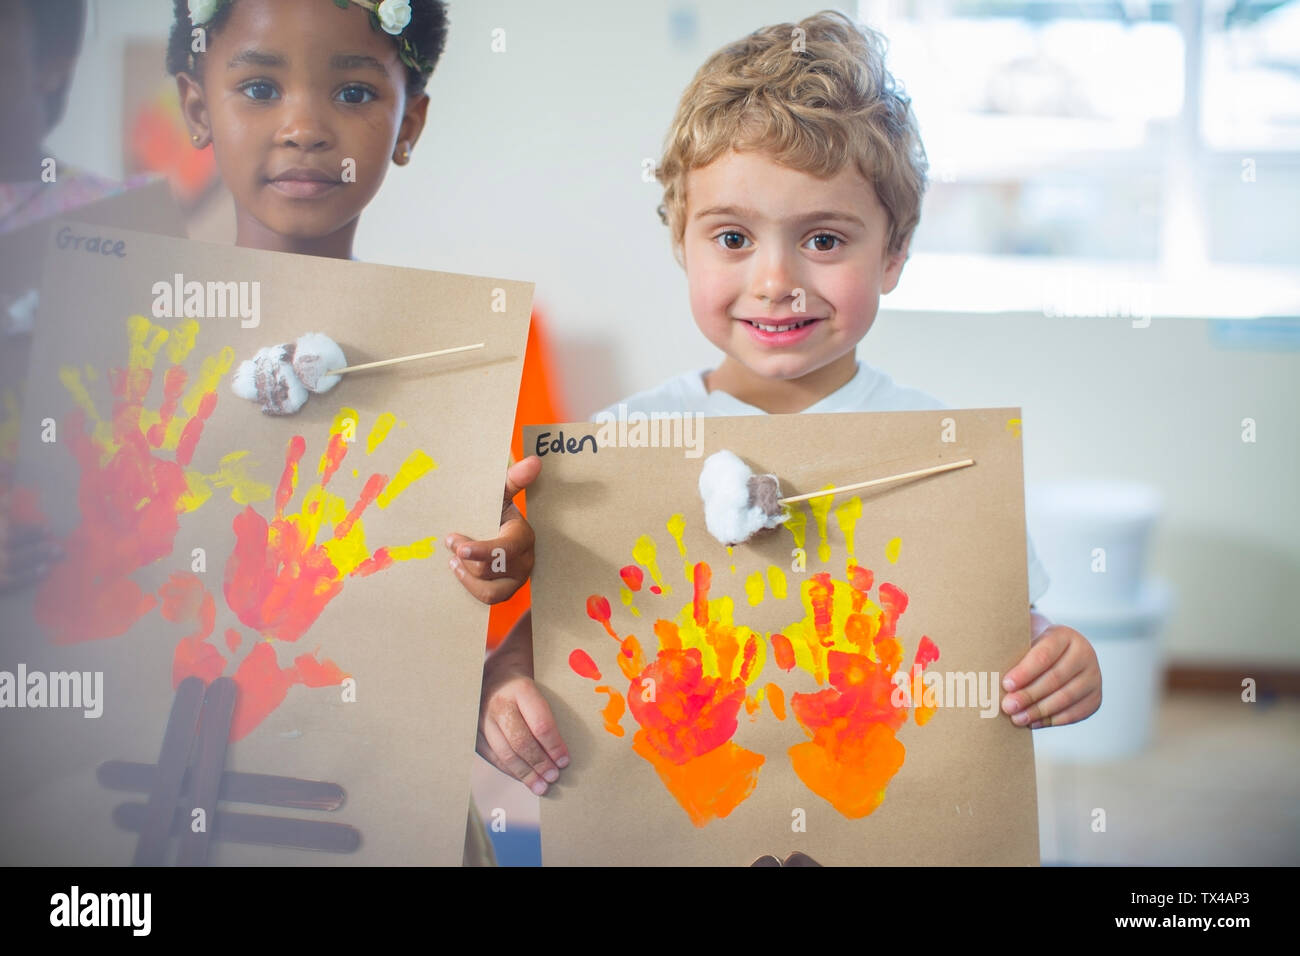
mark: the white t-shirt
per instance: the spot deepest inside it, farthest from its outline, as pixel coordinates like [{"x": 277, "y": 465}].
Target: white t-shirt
[{"x": 870, "y": 390}]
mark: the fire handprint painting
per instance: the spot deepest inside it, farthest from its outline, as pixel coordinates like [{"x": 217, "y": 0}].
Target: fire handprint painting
[
  {"x": 283, "y": 572},
  {"x": 721, "y": 703},
  {"x": 136, "y": 478},
  {"x": 688, "y": 697},
  {"x": 295, "y": 556}
]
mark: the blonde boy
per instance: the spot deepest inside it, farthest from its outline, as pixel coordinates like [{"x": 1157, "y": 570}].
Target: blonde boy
[{"x": 793, "y": 177}]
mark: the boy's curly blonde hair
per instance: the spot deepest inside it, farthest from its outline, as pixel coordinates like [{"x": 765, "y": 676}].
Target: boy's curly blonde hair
[{"x": 813, "y": 96}]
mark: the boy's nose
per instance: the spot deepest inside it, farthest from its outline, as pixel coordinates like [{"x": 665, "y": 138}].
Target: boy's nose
[{"x": 774, "y": 276}]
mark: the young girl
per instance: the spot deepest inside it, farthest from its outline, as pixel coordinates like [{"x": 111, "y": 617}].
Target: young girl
[
  {"x": 305, "y": 106},
  {"x": 306, "y": 103}
]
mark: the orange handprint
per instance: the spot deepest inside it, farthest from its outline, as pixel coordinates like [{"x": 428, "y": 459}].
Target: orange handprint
[
  {"x": 687, "y": 700},
  {"x": 135, "y": 481},
  {"x": 850, "y": 642}
]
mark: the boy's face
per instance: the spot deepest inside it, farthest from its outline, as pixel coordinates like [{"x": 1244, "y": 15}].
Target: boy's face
[
  {"x": 760, "y": 237},
  {"x": 297, "y": 97}
]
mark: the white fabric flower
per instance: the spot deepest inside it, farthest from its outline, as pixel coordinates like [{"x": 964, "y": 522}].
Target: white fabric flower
[
  {"x": 393, "y": 15},
  {"x": 201, "y": 11}
]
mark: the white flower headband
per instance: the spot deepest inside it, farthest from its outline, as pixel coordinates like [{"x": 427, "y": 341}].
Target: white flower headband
[{"x": 391, "y": 16}]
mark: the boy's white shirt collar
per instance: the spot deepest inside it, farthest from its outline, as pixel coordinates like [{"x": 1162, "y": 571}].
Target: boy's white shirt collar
[{"x": 851, "y": 395}]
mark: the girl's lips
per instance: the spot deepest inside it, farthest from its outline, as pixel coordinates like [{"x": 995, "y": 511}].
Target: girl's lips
[
  {"x": 303, "y": 188},
  {"x": 793, "y": 334}
]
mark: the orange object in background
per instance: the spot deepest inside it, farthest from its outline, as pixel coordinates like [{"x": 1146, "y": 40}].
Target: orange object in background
[{"x": 539, "y": 404}]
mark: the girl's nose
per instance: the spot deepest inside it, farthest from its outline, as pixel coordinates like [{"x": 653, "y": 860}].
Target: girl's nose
[{"x": 304, "y": 126}]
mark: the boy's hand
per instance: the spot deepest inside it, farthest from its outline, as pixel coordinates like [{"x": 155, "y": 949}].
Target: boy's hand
[
  {"x": 494, "y": 570},
  {"x": 1057, "y": 682},
  {"x": 516, "y": 730}
]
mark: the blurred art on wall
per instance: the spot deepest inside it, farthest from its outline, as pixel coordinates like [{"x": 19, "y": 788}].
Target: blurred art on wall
[{"x": 156, "y": 140}]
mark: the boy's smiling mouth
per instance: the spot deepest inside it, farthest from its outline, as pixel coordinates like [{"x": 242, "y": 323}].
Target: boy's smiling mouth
[
  {"x": 304, "y": 182},
  {"x": 784, "y": 331}
]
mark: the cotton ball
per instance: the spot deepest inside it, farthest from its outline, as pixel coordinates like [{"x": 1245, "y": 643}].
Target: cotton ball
[
  {"x": 314, "y": 356},
  {"x": 270, "y": 381},
  {"x": 738, "y": 503}
]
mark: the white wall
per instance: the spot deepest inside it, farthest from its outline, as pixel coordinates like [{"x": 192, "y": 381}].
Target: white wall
[{"x": 531, "y": 168}]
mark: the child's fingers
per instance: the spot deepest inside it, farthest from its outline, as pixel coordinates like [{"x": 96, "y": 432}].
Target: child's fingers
[
  {"x": 508, "y": 763},
  {"x": 1080, "y": 710},
  {"x": 487, "y": 592},
  {"x": 15, "y": 538},
  {"x": 506, "y": 760},
  {"x": 519, "y": 476},
  {"x": 537, "y": 713},
  {"x": 17, "y": 578},
  {"x": 499, "y": 558},
  {"x": 1039, "y": 659},
  {"x": 509, "y": 556},
  {"x": 1066, "y": 668},
  {"x": 1053, "y": 702},
  {"x": 483, "y": 591},
  {"x": 520, "y": 737}
]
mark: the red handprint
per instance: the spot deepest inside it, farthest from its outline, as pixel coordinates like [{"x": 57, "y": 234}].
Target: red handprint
[
  {"x": 135, "y": 482},
  {"x": 279, "y": 578},
  {"x": 688, "y": 699}
]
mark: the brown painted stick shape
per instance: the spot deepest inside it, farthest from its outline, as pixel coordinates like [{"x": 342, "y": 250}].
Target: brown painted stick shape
[
  {"x": 209, "y": 763},
  {"x": 151, "y": 850},
  {"x": 254, "y": 829},
  {"x": 263, "y": 789}
]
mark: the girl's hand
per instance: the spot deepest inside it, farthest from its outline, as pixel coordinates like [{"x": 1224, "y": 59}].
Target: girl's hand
[
  {"x": 1057, "y": 682},
  {"x": 494, "y": 570},
  {"x": 26, "y": 554},
  {"x": 26, "y": 550}
]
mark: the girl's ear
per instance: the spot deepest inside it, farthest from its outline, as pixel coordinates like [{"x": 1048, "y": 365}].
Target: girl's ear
[
  {"x": 408, "y": 133},
  {"x": 195, "y": 110}
]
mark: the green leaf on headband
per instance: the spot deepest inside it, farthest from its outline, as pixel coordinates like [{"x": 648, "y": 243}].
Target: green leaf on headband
[{"x": 342, "y": 4}]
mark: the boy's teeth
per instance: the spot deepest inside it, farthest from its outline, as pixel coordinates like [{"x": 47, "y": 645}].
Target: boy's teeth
[{"x": 781, "y": 328}]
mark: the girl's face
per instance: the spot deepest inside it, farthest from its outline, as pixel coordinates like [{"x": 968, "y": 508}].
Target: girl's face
[
  {"x": 305, "y": 105},
  {"x": 785, "y": 270}
]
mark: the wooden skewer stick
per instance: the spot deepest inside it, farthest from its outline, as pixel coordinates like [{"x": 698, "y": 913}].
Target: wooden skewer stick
[
  {"x": 404, "y": 358},
  {"x": 877, "y": 481}
]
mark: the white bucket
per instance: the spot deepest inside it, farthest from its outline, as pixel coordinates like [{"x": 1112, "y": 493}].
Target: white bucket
[
  {"x": 1128, "y": 646},
  {"x": 1070, "y": 521}
]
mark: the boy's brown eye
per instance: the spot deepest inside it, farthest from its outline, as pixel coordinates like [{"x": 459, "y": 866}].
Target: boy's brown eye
[{"x": 824, "y": 242}]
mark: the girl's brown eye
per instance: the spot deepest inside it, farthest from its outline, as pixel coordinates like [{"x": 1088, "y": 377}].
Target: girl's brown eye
[
  {"x": 733, "y": 240},
  {"x": 356, "y": 95},
  {"x": 258, "y": 90}
]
